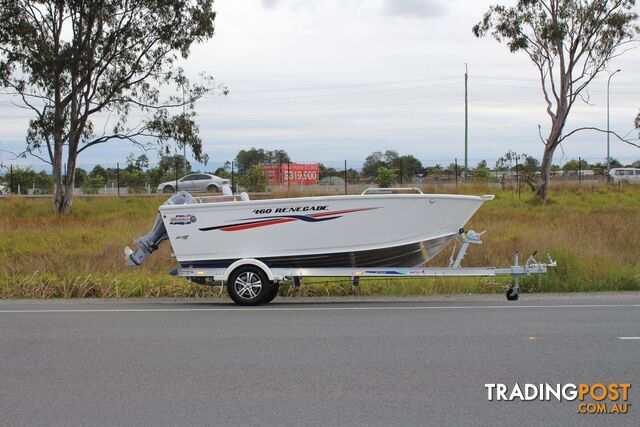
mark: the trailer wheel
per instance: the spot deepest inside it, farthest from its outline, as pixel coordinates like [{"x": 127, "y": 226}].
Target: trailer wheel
[
  {"x": 272, "y": 293},
  {"x": 249, "y": 285},
  {"x": 511, "y": 296}
]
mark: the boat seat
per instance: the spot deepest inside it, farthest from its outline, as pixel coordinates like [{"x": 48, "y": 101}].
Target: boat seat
[{"x": 244, "y": 197}]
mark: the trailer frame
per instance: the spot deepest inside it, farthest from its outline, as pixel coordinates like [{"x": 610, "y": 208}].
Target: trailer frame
[{"x": 219, "y": 276}]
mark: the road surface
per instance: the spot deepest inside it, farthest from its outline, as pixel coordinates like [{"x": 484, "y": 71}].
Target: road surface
[{"x": 312, "y": 362}]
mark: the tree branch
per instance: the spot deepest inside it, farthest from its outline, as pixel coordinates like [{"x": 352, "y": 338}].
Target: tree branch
[
  {"x": 126, "y": 137},
  {"x": 31, "y": 153},
  {"x": 627, "y": 141},
  {"x": 540, "y": 134}
]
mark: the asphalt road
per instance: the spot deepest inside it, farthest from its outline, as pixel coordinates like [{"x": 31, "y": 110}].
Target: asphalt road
[{"x": 312, "y": 362}]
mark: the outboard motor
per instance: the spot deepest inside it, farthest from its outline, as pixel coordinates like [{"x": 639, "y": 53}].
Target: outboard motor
[{"x": 148, "y": 243}]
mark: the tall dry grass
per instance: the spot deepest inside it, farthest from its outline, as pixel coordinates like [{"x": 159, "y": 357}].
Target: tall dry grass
[{"x": 593, "y": 232}]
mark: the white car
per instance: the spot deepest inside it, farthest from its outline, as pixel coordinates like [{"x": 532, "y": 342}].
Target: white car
[
  {"x": 195, "y": 182},
  {"x": 625, "y": 175},
  {"x": 4, "y": 189}
]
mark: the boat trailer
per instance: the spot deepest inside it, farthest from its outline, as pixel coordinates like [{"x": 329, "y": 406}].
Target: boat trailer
[{"x": 250, "y": 266}]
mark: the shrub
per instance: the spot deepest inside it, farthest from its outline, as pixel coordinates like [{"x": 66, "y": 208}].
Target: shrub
[
  {"x": 255, "y": 180},
  {"x": 386, "y": 177},
  {"x": 92, "y": 184},
  {"x": 481, "y": 172},
  {"x": 135, "y": 181}
]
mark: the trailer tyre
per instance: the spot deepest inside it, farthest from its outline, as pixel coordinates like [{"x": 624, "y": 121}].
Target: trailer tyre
[
  {"x": 511, "y": 297},
  {"x": 275, "y": 287},
  {"x": 249, "y": 285}
]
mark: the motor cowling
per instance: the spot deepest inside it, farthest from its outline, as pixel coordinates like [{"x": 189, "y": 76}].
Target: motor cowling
[{"x": 150, "y": 242}]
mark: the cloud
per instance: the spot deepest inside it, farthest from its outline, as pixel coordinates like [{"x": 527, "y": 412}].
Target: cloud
[
  {"x": 413, "y": 8},
  {"x": 270, "y": 4}
]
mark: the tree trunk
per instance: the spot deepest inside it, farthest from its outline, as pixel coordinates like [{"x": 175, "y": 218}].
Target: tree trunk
[
  {"x": 554, "y": 139},
  {"x": 67, "y": 198},
  {"x": 63, "y": 203},
  {"x": 64, "y": 192},
  {"x": 58, "y": 185},
  {"x": 64, "y": 186},
  {"x": 545, "y": 174}
]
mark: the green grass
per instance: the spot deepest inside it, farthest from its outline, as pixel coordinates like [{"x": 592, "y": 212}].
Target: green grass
[{"x": 593, "y": 233}]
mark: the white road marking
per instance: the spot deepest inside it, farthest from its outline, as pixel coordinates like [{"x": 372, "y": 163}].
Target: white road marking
[
  {"x": 280, "y": 309},
  {"x": 629, "y": 338}
]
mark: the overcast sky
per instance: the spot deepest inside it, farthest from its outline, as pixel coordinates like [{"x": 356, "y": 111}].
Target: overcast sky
[{"x": 335, "y": 80}]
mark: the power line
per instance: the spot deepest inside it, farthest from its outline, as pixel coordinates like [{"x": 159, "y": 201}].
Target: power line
[
  {"x": 349, "y": 85},
  {"x": 322, "y": 95}
]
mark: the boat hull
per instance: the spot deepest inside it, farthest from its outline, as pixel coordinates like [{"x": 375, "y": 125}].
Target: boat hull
[
  {"x": 337, "y": 231},
  {"x": 411, "y": 255}
]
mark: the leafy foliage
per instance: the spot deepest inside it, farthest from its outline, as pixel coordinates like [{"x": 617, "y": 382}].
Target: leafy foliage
[
  {"x": 26, "y": 180},
  {"x": 135, "y": 181},
  {"x": 386, "y": 177},
  {"x": 575, "y": 165},
  {"x": 80, "y": 176},
  {"x": 71, "y": 61},
  {"x": 570, "y": 42},
  {"x": 372, "y": 163},
  {"x": 139, "y": 163},
  {"x": 525, "y": 165},
  {"x": 246, "y": 159},
  {"x": 481, "y": 172},
  {"x": 255, "y": 180},
  {"x": 410, "y": 165},
  {"x": 175, "y": 164},
  {"x": 92, "y": 184}
]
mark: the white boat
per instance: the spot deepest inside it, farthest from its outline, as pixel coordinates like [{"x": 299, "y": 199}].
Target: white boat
[
  {"x": 371, "y": 229},
  {"x": 253, "y": 246}
]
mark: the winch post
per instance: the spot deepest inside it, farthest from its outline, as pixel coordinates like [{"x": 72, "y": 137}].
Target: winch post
[
  {"x": 467, "y": 238},
  {"x": 296, "y": 281},
  {"x": 516, "y": 276}
]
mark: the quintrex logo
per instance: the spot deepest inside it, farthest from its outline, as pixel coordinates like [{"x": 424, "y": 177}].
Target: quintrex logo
[
  {"x": 181, "y": 219},
  {"x": 593, "y": 398}
]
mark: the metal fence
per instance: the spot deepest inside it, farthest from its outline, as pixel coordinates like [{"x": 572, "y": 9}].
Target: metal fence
[{"x": 335, "y": 177}]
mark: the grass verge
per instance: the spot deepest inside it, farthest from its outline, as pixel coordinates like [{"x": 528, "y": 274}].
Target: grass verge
[{"x": 591, "y": 231}]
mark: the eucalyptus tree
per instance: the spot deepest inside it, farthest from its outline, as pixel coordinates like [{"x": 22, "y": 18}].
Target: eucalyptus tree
[
  {"x": 570, "y": 42},
  {"x": 92, "y": 72}
]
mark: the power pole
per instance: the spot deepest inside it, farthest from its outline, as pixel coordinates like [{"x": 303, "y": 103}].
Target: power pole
[
  {"x": 466, "y": 122},
  {"x": 345, "y": 177},
  {"x": 233, "y": 180}
]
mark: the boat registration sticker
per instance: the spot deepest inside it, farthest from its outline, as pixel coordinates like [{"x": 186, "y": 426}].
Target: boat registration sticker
[{"x": 183, "y": 219}]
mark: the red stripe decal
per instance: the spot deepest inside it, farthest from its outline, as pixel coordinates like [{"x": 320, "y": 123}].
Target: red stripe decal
[
  {"x": 256, "y": 225},
  {"x": 319, "y": 215},
  {"x": 283, "y": 220}
]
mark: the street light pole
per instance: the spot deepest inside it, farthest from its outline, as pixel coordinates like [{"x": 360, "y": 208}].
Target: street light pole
[
  {"x": 608, "y": 145},
  {"x": 466, "y": 122},
  {"x": 184, "y": 144}
]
